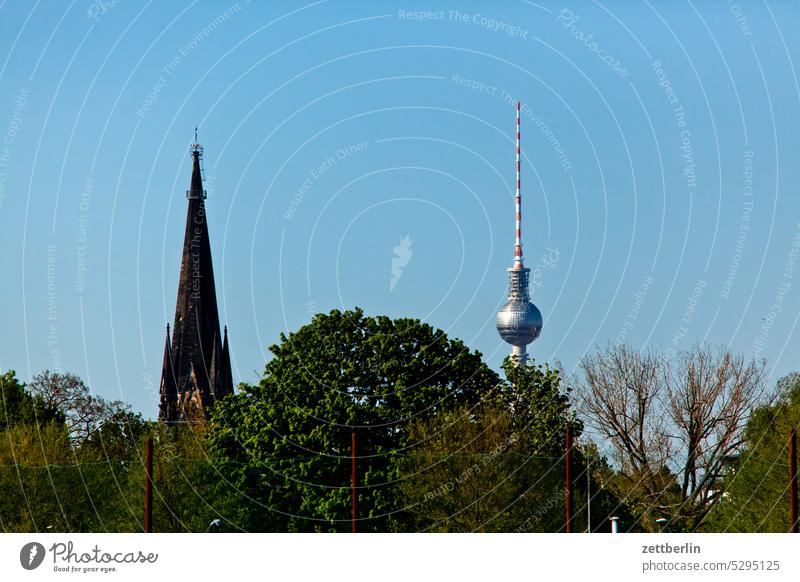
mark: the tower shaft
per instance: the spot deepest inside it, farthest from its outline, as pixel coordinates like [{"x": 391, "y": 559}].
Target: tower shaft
[{"x": 521, "y": 353}]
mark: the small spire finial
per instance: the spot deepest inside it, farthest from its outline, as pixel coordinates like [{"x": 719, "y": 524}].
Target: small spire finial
[
  {"x": 196, "y": 186},
  {"x": 197, "y": 149}
]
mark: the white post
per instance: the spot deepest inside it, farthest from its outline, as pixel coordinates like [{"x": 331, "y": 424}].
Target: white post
[
  {"x": 615, "y": 524},
  {"x": 589, "y": 497}
]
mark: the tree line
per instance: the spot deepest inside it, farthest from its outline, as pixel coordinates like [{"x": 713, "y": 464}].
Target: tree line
[{"x": 692, "y": 442}]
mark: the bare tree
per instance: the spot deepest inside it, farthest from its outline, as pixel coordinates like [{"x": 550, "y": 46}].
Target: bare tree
[
  {"x": 672, "y": 424},
  {"x": 709, "y": 398},
  {"x": 85, "y": 412}
]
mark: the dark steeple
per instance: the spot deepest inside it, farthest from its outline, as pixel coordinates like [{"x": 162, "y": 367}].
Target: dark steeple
[
  {"x": 199, "y": 362},
  {"x": 227, "y": 373},
  {"x": 169, "y": 394}
]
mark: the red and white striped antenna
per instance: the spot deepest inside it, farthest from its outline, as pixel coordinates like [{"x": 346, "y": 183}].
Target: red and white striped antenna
[{"x": 518, "y": 201}]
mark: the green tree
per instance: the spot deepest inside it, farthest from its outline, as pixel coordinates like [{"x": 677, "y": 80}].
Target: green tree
[
  {"x": 756, "y": 483},
  {"x": 187, "y": 496},
  {"x": 19, "y": 406},
  {"x": 495, "y": 466},
  {"x": 43, "y": 489},
  {"x": 285, "y": 444},
  {"x": 500, "y": 466},
  {"x": 117, "y": 438},
  {"x": 50, "y": 485},
  {"x": 473, "y": 471},
  {"x": 83, "y": 411},
  {"x": 111, "y": 468},
  {"x": 539, "y": 406}
]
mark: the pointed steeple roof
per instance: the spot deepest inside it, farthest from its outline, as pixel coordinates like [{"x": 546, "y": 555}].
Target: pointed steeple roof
[
  {"x": 196, "y": 354},
  {"x": 226, "y": 371},
  {"x": 213, "y": 369},
  {"x": 168, "y": 392}
]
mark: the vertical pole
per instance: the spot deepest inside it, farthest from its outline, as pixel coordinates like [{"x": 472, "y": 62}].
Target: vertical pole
[
  {"x": 353, "y": 480},
  {"x": 569, "y": 479},
  {"x": 614, "y": 524},
  {"x": 148, "y": 487},
  {"x": 795, "y": 526}
]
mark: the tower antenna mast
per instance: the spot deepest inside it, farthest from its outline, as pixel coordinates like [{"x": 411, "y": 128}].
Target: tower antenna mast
[{"x": 518, "y": 203}]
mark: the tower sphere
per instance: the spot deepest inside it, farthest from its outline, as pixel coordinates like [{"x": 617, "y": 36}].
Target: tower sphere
[{"x": 519, "y": 322}]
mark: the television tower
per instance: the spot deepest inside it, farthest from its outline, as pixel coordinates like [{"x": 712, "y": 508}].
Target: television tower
[{"x": 519, "y": 322}]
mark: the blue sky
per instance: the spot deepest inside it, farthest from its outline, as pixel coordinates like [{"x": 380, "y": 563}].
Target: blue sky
[{"x": 660, "y": 143}]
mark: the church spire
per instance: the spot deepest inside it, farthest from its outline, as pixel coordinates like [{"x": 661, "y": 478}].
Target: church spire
[
  {"x": 227, "y": 371},
  {"x": 199, "y": 369},
  {"x": 168, "y": 392}
]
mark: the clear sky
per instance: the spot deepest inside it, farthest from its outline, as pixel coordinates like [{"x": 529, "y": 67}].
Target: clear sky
[{"x": 660, "y": 174}]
